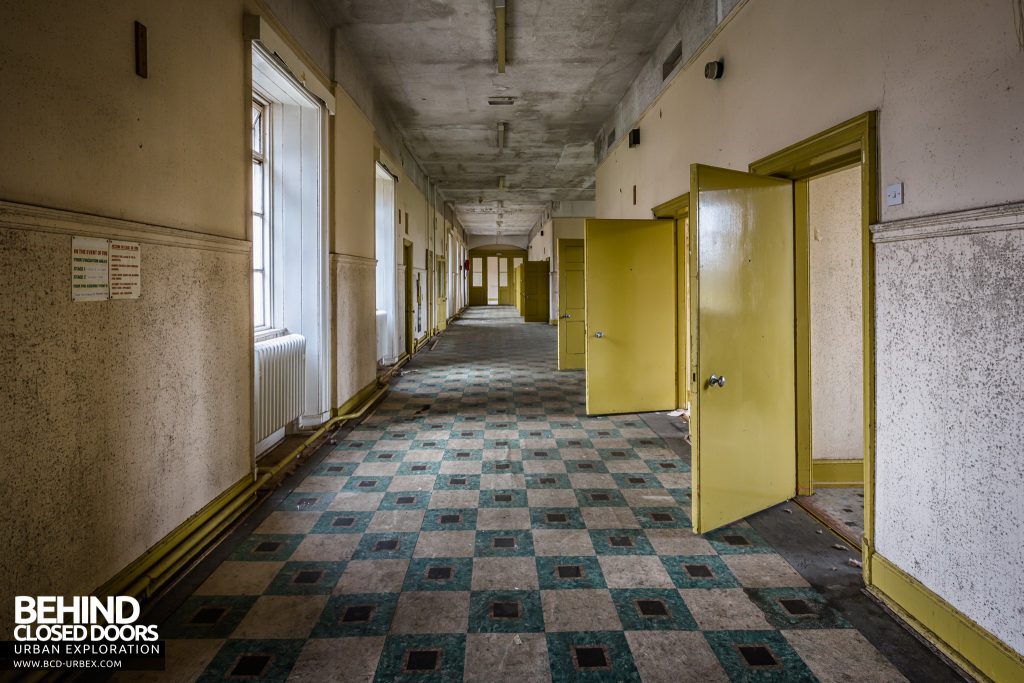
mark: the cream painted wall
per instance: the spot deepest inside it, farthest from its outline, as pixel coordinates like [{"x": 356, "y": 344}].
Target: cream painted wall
[
  {"x": 82, "y": 132},
  {"x": 353, "y": 175},
  {"x": 837, "y": 349},
  {"x": 948, "y": 82},
  {"x": 795, "y": 68}
]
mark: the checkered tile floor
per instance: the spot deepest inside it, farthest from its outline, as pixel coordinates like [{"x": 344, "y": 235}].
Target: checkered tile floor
[{"x": 480, "y": 527}]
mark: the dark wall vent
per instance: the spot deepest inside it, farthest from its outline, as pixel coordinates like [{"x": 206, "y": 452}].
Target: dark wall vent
[
  {"x": 672, "y": 61},
  {"x": 611, "y": 139}
]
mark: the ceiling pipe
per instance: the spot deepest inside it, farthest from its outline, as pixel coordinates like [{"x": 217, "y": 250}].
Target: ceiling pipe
[
  {"x": 499, "y": 25},
  {"x": 501, "y": 182},
  {"x": 501, "y": 136}
]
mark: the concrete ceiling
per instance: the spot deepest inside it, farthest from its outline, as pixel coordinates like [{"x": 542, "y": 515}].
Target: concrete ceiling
[{"x": 569, "y": 62}]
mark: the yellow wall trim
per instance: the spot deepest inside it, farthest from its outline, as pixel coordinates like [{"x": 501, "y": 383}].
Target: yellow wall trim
[
  {"x": 837, "y": 473},
  {"x": 969, "y": 645}
]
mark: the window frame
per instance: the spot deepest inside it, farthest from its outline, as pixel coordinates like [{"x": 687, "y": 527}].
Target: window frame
[{"x": 265, "y": 269}]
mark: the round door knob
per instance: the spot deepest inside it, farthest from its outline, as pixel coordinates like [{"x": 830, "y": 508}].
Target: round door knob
[
  {"x": 715, "y": 380},
  {"x": 599, "y": 335}
]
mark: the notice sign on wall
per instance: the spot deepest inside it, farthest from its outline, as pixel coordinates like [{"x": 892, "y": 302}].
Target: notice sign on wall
[
  {"x": 125, "y": 270},
  {"x": 90, "y": 258},
  {"x": 105, "y": 269}
]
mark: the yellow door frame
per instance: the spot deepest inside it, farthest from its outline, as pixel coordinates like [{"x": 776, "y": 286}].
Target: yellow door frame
[
  {"x": 678, "y": 209},
  {"x": 410, "y": 310},
  {"x": 564, "y": 362},
  {"x": 848, "y": 144}
]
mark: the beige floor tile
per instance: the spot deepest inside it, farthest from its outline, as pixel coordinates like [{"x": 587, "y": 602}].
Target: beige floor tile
[
  {"x": 440, "y": 500},
  {"x": 592, "y": 481},
  {"x": 551, "y": 498},
  {"x": 489, "y": 482},
  {"x": 628, "y": 466},
  {"x": 496, "y": 519},
  {"x": 465, "y": 444},
  {"x": 763, "y": 570},
  {"x": 511, "y": 454},
  {"x": 411, "y": 482},
  {"x": 326, "y": 660},
  {"x": 445, "y": 544},
  {"x": 842, "y": 656},
  {"x": 376, "y": 469},
  {"x": 609, "y": 518},
  {"x": 579, "y": 609},
  {"x": 325, "y": 548},
  {"x": 281, "y": 616},
  {"x": 724, "y": 609},
  {"x": 424, "y": 455},
  {"x": 678, "y": 542},
  {"x": 680, "y": 480},
  {"x": 461, "y": 467},
  {"x": 373, "y": 576},
  {"x": 392, "y": 445},
  {"x": 553, "y": 542},
  {"x": 504, "y": 573},
  {"x": 674, "y": 657},
  {"x": 321, "y": 484},
  {"x": 395, "y": 520},
  {"x": 432, "y": 612},
  {"x": 543, "y": 467},
  {"x": 240, "y": 578},
  {"x": 637, "y": 571},
  {"x": 649, "y": 498},
  {"x": 185, "y": 661},
  {"x": 579, "y": 453},
  {"x": 506, "y": 657},
  {"x": 352, "y": 501},
  {"x": 288, "y": 523}
]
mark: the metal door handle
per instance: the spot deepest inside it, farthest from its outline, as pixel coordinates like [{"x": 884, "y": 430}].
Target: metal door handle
[
  {"x": 599, "y": 335},
  {"x": 715, "y": 380},
  {"x": 563, "y": 317}
]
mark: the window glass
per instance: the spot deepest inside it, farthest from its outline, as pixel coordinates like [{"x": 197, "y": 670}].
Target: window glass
[{"x": 478, "y": 272}]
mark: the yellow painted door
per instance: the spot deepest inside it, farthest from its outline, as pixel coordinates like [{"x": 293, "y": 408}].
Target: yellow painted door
[
  {"x": 742, "y": 344},
  {"x": 535, "y": 284},
  {"x": 572, "y": 326},
  {"x": 630, "y": 308}
]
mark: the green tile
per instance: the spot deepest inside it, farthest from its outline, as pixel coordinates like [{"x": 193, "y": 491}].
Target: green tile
[
  {"x": 557, "y": 572},
  {"x": 367, "y": 484},
  {"x": 637, "y": 480},
  {"x": 574, "y": 442},
  {"x": 556, "y": 518},
  {"x": 207, "y": 616},
  {"x": 620, "y": 542},
  {"x": 617, "y": 454},
  {"x": 782, "y": 665},
  {"x": 455, "y": 519},
  {"x": 503, "y": 498},
  {"x": 272, "y": 660},
  {"x": 266, "y": 548},
  {"x": 796, "y": 608},
  {"x": 413, "y": 467},
  {"x": 464, "y": 454},
  {"x": 306, "y": 578},
  {"x": 386, "y": 546},
  {"x": 600, "y": 498},
  {"x": 439, "y": 574},
  {"x": 668, "y": 466},
  {"x": 491, "y": 543},
  {"x": 566, "y": 649},
  {"x": 395, "y": 659},
  {"x": 662, "y": 518},
  {"x": 457, "y": 482},
  {"x": 585, "y": 467},
  {"x": 502, "y": 467},
  {"x": 356, "y": 614},
  {"x": 385, "y": 456},
  {"x": 683, "y": 497},
  {"x": 541, "y": 454},
  {"x": 548, "y": 481},
  {"x": 705, "y": 571},
  {"x": 505, "y": 612},
  {"x": 333, "y": 468},
  {"x": 342, "y": 523},
  {"x": 652, "y": 609},
  {"x": 738, "y": 539},
  {"x": 405, "y": 500}
]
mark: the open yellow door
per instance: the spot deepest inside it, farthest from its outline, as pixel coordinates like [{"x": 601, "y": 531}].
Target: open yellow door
[
  {"x": 572, "y": 328},
  {"x": 630, "y": 302},
  {"x": 742, "y": 344}
]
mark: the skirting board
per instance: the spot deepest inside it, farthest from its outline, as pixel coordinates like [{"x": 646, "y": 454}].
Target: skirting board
[
  {"x": 837, "y": 473},
  {"x": 969, "y": 645}
]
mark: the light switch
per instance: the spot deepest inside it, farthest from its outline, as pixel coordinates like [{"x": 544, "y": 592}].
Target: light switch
[{"x": 894, "y": 194}]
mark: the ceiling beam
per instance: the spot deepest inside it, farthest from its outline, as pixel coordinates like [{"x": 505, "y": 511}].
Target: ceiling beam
[{"x": 499, "y": 25}]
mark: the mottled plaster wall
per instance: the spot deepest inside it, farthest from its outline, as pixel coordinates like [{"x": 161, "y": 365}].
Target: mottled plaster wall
[
  {"x": 121, "y": 418},
  {"x": 353, "y": 282},
  {"x": 949, "y": 501},
  {"x": 837, "y": 348}
]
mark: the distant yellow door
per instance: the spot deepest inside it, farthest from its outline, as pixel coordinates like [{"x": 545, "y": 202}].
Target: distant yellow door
[
  {"x": 536, "y": 292},
  {"x": 630, "y": 309},
  {"x": 742, "y": 344},
  {"x": 572, "y": 327}
]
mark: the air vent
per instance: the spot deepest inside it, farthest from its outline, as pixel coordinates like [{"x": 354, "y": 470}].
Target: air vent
[
  {"x": 672, "y": 61},
  {"x": 501, "y": 100}
]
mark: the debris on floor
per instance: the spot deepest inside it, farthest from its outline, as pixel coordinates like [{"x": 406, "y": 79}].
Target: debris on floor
[
  {"x": 854, "y": 563},
  {"x": 839, "y": 546}
]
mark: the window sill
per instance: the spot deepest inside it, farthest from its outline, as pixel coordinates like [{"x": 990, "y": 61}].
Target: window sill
[{"x": 265, "y": 335}]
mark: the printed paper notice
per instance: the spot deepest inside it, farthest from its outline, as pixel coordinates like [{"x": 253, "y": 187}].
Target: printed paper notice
[
  {"x": 125, "y": 270},
  {"x": 89, "y": 261}
]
